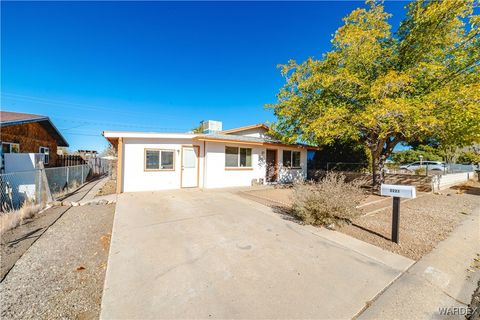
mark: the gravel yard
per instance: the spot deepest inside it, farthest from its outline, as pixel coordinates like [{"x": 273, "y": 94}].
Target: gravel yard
[
  {"x": 62, "y": 274},
  {"x": 424, "y": 221},
  {"x": 108, "y": 188},
  {"x": 16, "y": 241}
]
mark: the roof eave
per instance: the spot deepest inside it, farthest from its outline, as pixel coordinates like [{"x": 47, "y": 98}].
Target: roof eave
[
  {"x": 23, "y": 121},
  {"x": 255, "y": 126},
  {"x": 61, "y": 142},
  {"x": 266, "y": 143}
]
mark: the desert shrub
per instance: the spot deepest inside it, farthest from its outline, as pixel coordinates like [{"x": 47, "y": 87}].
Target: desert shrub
[
  {"x": 12, "y": 219},
  {"x": 329, "y": 201}
]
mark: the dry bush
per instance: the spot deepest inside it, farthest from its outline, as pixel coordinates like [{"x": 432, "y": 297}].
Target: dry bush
[
  {"x": 71, "y": 188},
  {"x": 331, "y": 200},
  {"x": 12, "y": 219}
]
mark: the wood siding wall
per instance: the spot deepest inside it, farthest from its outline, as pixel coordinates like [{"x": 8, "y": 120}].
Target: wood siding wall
[{"x": 31, "y": 136}]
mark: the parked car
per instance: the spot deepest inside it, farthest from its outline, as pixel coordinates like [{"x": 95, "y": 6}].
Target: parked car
[{"x": 430, "y": 165}]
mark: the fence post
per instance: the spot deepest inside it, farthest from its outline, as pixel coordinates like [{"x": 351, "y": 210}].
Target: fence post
[
  {"x": 44, "y": 182},
  {"x": 38, "y": 186},
  {"x": 67, "y": 170}
]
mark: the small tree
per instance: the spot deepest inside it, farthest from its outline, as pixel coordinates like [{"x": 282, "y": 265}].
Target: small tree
[
  {"x": 198, "y": 129},
  {"x": 109, "y": 151},
  {"x": 380, "y": 88}
]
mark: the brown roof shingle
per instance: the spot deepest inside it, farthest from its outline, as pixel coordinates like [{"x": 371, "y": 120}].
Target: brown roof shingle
[{"x": 7, "y": 116}]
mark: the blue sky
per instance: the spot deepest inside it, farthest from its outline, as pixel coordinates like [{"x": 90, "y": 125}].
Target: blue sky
[{"x": 156, "y": 66}]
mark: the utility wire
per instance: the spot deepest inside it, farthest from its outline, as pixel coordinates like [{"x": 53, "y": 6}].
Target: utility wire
[{"x": 59, "y": 103}]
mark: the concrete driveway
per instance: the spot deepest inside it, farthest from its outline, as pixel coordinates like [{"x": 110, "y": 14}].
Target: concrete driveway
[{"x": 213, "y": 254}]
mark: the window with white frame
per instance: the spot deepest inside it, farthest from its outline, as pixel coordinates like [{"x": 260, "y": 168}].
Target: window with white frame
[
  {"x": 156, "y": 159},
  {"x": 46, "y": 154},
  {"x": 291, "y": 159},
  {"x": 236, "y": 157},
  {"x": 10, "y": 147}
]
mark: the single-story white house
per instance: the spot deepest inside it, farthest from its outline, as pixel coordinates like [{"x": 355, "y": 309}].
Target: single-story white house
[{"x": 216, "y": 159}]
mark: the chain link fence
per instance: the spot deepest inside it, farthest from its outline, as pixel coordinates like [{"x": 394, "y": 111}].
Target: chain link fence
[
  {"x": 39, "y": 186},
  {"x": 357, "y": 168},
  {"x": 62, "y": 180},
  {"x": 19, "y": 187}
]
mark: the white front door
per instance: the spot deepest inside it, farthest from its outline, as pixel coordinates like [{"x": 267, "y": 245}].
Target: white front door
[{"x": 190, "y": 167}]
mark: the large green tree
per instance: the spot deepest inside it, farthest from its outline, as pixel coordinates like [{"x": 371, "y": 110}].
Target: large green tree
[{"x": 379, "y": 88}]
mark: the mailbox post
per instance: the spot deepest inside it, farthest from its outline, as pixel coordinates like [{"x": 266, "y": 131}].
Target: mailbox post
[{"x": 397, "y": 192}]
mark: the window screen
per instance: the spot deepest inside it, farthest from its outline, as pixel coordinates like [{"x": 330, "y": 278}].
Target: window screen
[
  {"x": 231, "y": 157},
  {"x": 152, "y": 160},
  {"x": 167, "y": 160},
  {"x": 245, "y": 157}
]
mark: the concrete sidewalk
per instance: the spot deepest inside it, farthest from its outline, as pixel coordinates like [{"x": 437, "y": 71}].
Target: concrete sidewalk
[
  {"x": 213, "y": 254},
  {"x": 441, "y": 279},
  {"x": 86, "y": 191},
  {"x": 87, "y": 194}
]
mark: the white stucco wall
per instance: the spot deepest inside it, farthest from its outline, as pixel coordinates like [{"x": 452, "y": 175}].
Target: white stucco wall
[
  {"x": 212, "y": 171},
  {"x": 135, "y": 178},
  {"x": 216, "y": 176}
]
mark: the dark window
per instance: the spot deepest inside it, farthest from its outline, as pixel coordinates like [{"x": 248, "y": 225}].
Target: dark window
[
  {"x": 296, "y": 159},
  {"x": 46, "y": 154},
  {"x": 291, "y": 159},
  {"x": 8, "y": 147},
  {"x": 152, "y": 160},
  {"x": 287, "y": 158}
]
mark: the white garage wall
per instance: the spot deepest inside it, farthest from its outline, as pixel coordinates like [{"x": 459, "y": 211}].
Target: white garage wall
[
  {"x": 135, "y": 178},
  {"x": 216, "y": 176}
]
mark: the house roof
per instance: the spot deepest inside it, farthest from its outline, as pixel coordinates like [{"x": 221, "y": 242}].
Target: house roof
[
  {"x": 240, "y": 129},
  {"x": 220, "y": 137},
  {"x": 112, "y": 137},
  {"x": 16, "y": 118}
]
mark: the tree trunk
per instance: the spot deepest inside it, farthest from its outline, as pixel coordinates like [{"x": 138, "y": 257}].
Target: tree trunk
[
  {"x": 378, "y": 164},
  {"x": 380, "y": 152}
]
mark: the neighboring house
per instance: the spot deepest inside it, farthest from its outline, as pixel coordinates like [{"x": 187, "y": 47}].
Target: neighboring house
[
  {"x": 236, "y": 157},
  {"x": 30, "y": 135},
  {"x": 87, "y": 154}
]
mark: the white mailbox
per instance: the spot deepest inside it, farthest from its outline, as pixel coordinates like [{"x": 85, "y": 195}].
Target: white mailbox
[{"x": 394, "y": 190}]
